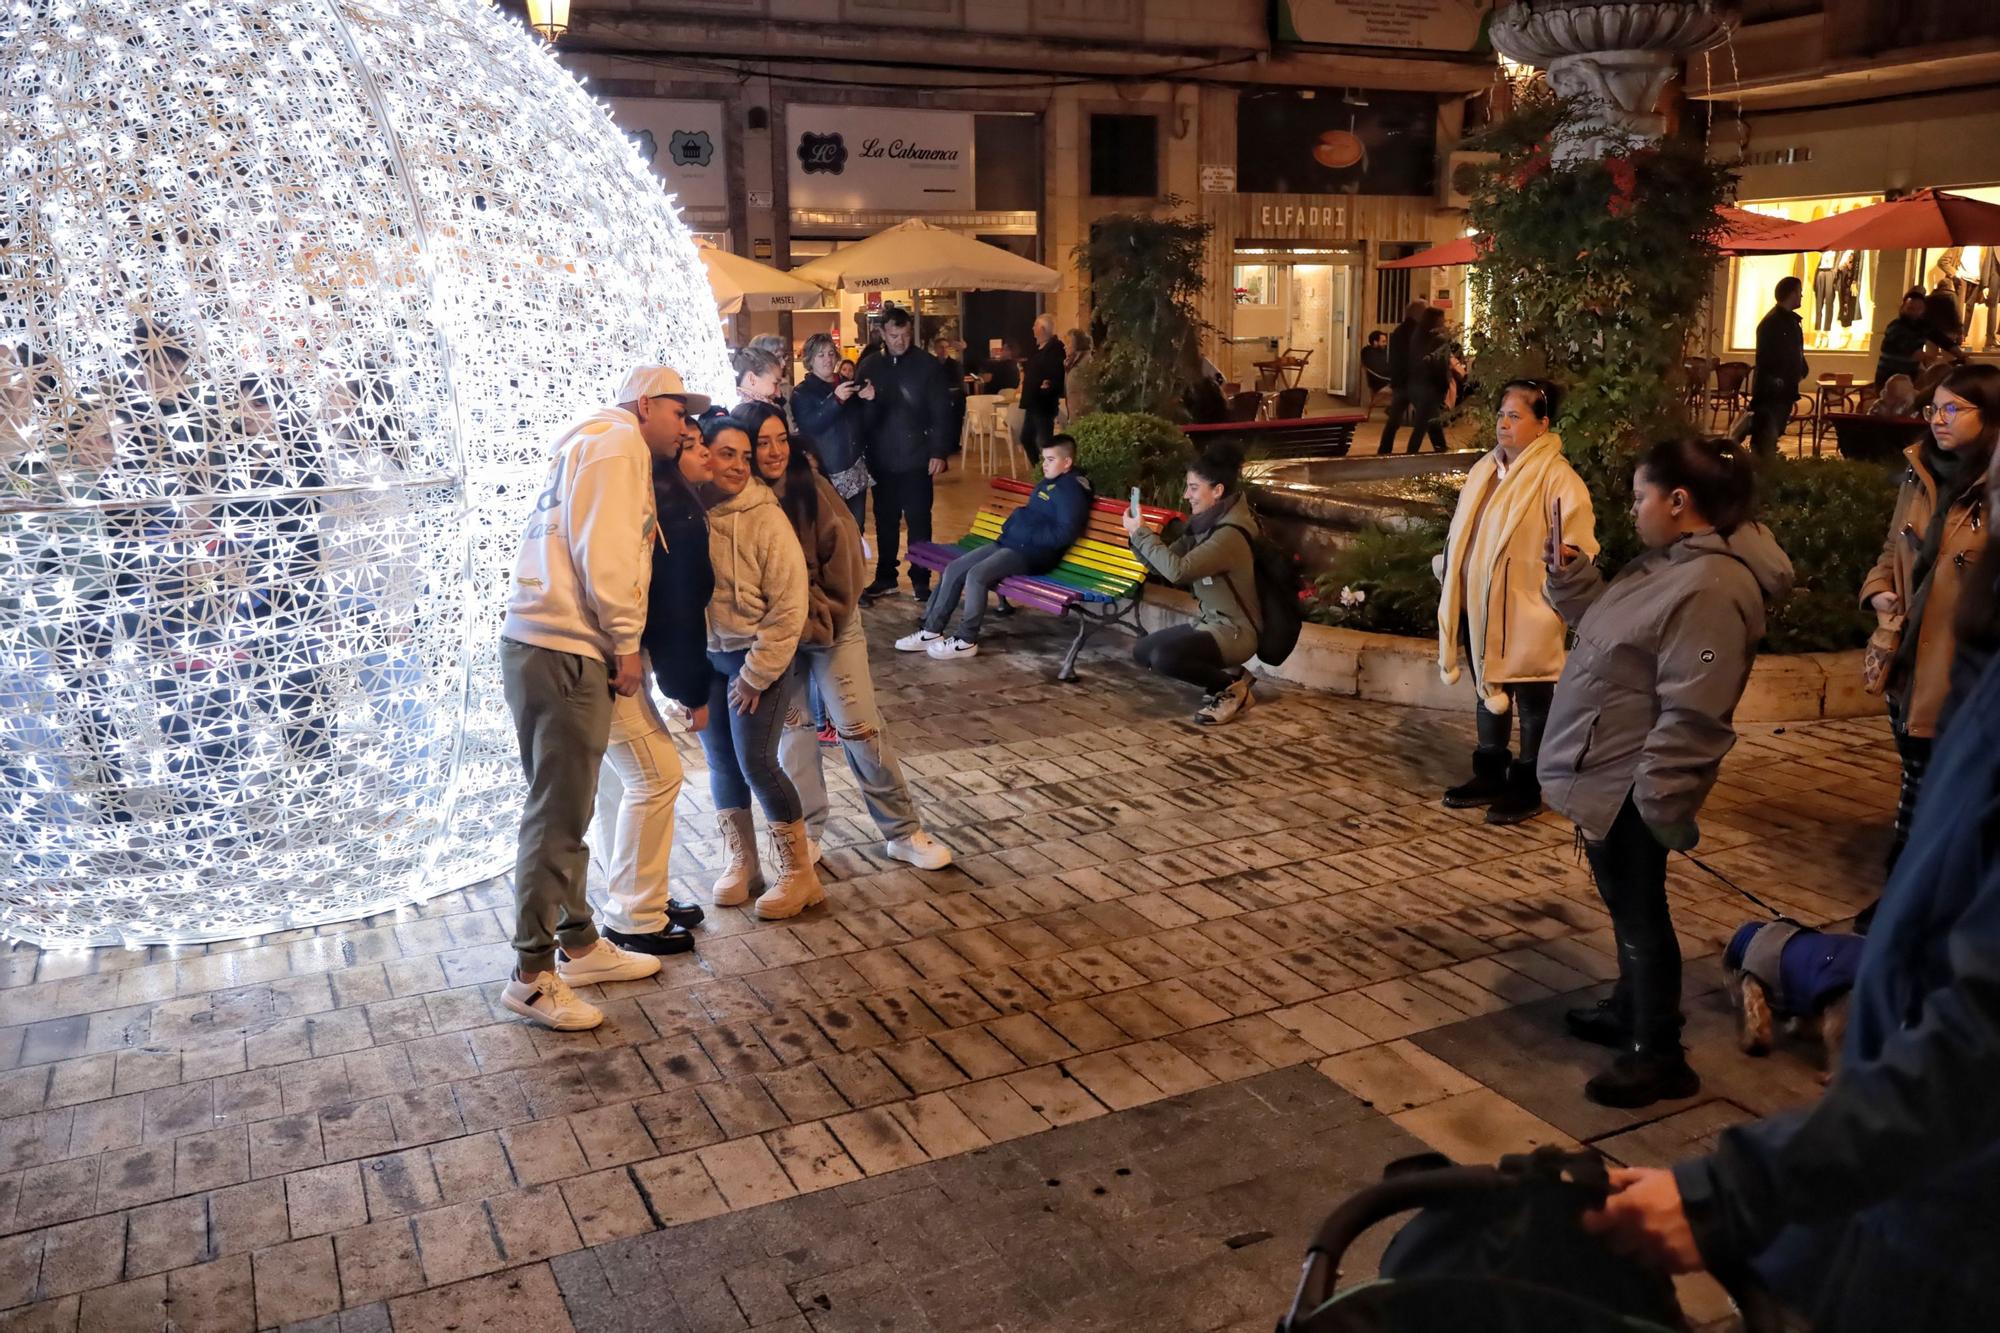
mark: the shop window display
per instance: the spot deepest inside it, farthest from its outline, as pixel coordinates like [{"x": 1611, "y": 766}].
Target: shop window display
[
  {"x": 1839, "y": 307},
  {"x": 1970, "y": 275}
]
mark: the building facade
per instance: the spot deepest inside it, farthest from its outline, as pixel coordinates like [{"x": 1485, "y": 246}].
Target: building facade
[
  {"x": 1311, "y": 139},
  {"x": 1835, "y": 104}
]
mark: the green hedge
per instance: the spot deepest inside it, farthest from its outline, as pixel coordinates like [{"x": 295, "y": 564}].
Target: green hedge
[
  {"x": 1830, "y": 516},
  {"x": 1120, "y": 450}
]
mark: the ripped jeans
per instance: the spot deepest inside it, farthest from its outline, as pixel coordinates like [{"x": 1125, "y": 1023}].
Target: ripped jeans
[{"x": 840, "y": 671}]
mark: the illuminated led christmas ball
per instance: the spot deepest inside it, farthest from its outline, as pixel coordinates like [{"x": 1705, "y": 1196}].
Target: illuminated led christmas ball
[{"x": 294, "y": 295}]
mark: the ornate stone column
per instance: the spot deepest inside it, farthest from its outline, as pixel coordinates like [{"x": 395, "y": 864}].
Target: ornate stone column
[{"x": 1616, "y": 58}]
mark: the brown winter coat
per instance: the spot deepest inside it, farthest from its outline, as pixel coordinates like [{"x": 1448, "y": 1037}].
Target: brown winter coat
[{"x": 1921, "y": 693}]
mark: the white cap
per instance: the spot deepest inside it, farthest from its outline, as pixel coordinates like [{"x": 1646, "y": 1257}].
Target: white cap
[{"x": 649, "y": 381}]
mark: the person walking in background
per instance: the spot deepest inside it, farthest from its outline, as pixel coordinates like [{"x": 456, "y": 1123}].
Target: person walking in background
[
  {"x": 1492, "y": 611},
  {"x": 1936, "y": 535},
  {"x": 832, "y": 413},
  {"x": 1041, "y": 389},
  {"x": 1031, "y": 541},
  {"x": 1903, "y": 341},
  {"x": 1433, "y": 385},
  {"x": 773, "y": 346},
  {"x": 1780, "y": 368},
  {"x": 640, "y": 782},
  {"x": 1375, "y": 363},
  {"x": 948, "y": 350},
  {"x": 832, "y": 660},
  {"x": 909, "y": 444},
  {"x": 1399, "y": 374},
  {"x": 1642, "y": 720},
  {"x": 571, "y": 638},
  {"x": 754, "y": 622},
  {"x": 1213, "y": 560}
]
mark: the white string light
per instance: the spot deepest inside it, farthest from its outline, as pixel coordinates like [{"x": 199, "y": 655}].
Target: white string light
[{"x": 293, "y": 296}]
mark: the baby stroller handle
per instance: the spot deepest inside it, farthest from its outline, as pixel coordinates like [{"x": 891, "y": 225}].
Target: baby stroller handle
[{"x": 1399, "y": 1194}]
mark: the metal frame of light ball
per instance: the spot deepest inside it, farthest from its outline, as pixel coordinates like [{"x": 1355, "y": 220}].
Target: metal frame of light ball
[{"x": 294, "y": 294}]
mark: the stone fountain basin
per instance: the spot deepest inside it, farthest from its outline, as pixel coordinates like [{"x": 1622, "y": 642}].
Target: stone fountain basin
[{"x": 1315, "y": 506}]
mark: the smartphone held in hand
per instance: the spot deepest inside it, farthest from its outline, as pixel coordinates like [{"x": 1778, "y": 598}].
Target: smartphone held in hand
[{"x": 1133, "y": 508}]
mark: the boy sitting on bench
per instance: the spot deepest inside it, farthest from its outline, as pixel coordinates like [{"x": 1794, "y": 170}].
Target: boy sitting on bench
[{"x": 1032, "y": 541}]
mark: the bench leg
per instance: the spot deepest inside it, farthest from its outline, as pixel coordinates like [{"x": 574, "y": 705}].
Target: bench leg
[{"x": 1067, "y": 673}]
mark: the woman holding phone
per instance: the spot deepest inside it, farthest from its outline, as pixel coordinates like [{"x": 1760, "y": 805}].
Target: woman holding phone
[
  {"x": 826, "y": 409},
  {"x": 1641, "y": 721},
  {"x": 1491, "y": 613}
]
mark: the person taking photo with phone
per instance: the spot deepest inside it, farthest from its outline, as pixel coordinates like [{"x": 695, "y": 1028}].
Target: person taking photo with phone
[
  {"x": 1641, "y": 721},
  {"x": 832, "y": 412}
]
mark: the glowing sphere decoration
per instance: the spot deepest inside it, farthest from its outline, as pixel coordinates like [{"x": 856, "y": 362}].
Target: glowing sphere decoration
[{"x": 294, "y": 294}]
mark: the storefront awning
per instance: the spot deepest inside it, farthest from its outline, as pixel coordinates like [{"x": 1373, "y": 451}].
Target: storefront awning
[{"x": 919, "y": 254}]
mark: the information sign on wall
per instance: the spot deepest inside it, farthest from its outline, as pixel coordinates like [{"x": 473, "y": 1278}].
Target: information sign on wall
[{"x": 1430, "y": 25}]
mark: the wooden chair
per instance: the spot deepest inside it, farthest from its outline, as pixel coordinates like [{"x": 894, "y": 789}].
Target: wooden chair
[
  {"x": 1245, "y": 406},
  {"x": 1731, "y": 392},
  {"x": 1696, "y": 370},
  {"x": 1292, "y": 364},
  {"x": 1098, "y": 580},
  {"x": 1291, "y": 405},
  {"x": 1834, "y": 392}
]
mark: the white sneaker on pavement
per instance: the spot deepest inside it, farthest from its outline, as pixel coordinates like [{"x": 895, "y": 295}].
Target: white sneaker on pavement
[
  {"x": 606, "y": 962},
  {"x": 945, "y": 650},
  {"x": 921, "y": 850},
  {"x": 549, "y": 1001},
  {"x": 918, "y": 642}
]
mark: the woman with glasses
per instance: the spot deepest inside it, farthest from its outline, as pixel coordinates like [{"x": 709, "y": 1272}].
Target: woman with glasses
[{"x": 1935, "y": 539}]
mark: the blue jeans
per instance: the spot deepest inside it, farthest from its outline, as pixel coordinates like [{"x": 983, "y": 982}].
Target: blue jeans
[
  {"x": 968, "y": 579},
  {"x": 742, "y": 748}
]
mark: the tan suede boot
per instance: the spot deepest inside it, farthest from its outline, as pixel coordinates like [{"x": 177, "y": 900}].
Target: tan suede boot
[
  {"x": 798, "y": 883},
  {"x": 742, "y": 876}
]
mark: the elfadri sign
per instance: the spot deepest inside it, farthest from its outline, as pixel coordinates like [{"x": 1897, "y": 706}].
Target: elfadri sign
[
  {"x": 1430, "y": 25},
  {"x": 877, "y": 159}
]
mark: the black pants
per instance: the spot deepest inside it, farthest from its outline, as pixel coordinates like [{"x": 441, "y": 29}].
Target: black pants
[
  {"x": 1399, "y": 407},
  {"x": 1915, "y": 752},
  {"x": 1424, "y": 413},
  {"x": 1038, "y": 427},
  {"x": 901, "y": 499},
  {"x": 1531, "y": 701},
  {"x": 1630, "y": 867},
  {"x": 857, "y": 505},
  {"x": 1185, "y": 653},
  {"x": 1769, "y": 415}
]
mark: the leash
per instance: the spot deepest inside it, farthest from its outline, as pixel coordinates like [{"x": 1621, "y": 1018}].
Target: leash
[{"x": 1776, "y": 915}]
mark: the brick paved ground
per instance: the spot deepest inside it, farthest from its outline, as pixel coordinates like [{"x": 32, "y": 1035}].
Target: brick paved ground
[{"x": 1247, "y": 966}]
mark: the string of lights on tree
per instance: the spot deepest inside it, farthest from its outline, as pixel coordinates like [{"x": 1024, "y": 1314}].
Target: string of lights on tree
[{"x": 294, "y": 295}]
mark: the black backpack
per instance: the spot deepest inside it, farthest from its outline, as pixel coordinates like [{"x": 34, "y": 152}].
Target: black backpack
[{"x": 1277, "y": 602}]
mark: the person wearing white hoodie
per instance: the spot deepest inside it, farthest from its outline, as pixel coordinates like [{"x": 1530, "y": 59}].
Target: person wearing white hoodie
[
  {"x": 570, "y": 641},
  {"x": 755, "y": 619}
]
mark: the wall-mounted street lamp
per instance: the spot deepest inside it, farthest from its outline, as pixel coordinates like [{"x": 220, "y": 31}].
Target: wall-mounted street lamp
[{"x": 550, "y": 18}]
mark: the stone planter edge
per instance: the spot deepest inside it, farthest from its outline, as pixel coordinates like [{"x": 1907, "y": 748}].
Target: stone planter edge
[{"x": 1396, "y": 669}]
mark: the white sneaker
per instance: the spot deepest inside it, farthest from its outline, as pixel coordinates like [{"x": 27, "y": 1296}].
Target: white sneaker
[
  {"x": 918, "y": 642},
  {"x": 549, "y": 1001},
  {"x": 1219, "y": 708},
  {"x": 945, "y": 650},
  {"x": 607, "y": 962},
  {"x": 921, "y": 850}
]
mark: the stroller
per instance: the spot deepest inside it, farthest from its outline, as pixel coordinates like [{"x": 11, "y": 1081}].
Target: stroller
[{"x": 1496, "y": 1249}]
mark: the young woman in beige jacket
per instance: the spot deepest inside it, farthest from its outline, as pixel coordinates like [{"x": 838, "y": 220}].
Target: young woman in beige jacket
[{"x": 1492, "y": 613}]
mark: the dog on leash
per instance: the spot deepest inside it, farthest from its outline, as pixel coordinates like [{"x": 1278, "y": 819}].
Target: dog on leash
[{"x": 1783, "y": 973}]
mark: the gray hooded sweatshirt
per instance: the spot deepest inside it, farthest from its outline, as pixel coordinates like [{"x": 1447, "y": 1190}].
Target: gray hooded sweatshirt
[{"x": 1662, "y": 654}]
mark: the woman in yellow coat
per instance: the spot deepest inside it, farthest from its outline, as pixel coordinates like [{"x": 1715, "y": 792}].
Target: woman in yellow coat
[{"x": 1492, "y": 614}]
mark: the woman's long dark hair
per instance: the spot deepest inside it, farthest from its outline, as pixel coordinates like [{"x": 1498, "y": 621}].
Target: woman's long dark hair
[
  {"x": 800, "y": 498},
  {"x": 673, "y": 493},
  {"x": 1980, "y": 386}
]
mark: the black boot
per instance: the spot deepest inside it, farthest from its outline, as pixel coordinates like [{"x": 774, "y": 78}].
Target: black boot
[
  {"x": 1605, "y": 1023},
  {"x": 1488, "y": 781},
  {"x": 1642, "y": 1075},
  {"x": 686, "y": 915},
  {"x": 660, "y": 943},
  {"x": 1520, "y": 800},
  {"x": 884, "y": 583}
]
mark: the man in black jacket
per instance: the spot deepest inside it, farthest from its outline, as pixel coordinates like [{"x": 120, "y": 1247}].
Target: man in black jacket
[
  {"x": 1041, "y": 389},
  {"x": 1399, "y": 374},
  {"x": 1781, "y": 367},
  {"x": 909, "y": 443}
]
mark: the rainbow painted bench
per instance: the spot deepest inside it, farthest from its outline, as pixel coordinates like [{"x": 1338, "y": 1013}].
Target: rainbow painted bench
[{"x": 1098, "y": 581}]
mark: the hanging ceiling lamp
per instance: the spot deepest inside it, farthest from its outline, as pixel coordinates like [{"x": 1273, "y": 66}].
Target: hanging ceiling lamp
[{"x": 550, "y": 18}]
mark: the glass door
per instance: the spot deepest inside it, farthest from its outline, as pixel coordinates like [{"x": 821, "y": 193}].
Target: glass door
[{"x": 1340, "y": 330}]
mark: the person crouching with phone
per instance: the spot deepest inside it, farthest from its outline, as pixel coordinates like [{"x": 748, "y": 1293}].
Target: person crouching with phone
[
  {"x": 1213, "y": 560},
  {"x": 1492, "y": 612},
  {"x": 1032, "y": 541},
  {"x": 1641, "y": 720}
]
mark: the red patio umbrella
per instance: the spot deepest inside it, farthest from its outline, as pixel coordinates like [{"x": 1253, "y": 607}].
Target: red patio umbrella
[
  {"x": 1928, "y": 219},
  {"x": 1743, "y": 232}
]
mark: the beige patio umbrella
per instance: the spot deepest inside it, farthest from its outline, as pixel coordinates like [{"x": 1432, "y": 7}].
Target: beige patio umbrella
[
  {"x": 919, "y": 254},
  {"x": 744, "y": 284}
]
